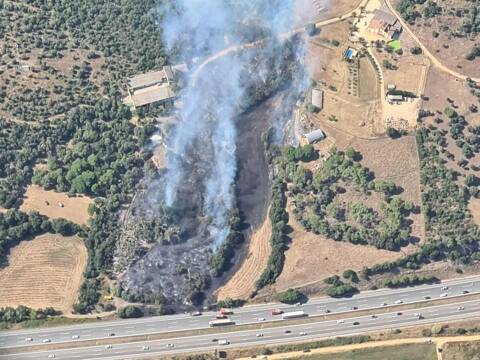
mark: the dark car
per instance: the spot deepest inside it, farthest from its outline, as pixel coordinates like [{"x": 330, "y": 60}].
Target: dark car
[
  {"x": 287, "y": 331},
  {"x": 356, "y": 323},
  {"x": 354, "y": 308}
]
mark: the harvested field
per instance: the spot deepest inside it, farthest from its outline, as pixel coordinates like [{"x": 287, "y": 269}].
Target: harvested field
[
  {"x": 462, "y": 351},
  {"x": 45, "y": 271},
  {"x": 399, "y": 352},
  {"x": 241, "y": 285},
  {"x": 46, "y": 202},
  {"x": 312, "y": 258}
]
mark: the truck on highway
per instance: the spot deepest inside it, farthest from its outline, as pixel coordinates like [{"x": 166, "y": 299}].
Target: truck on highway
[
  {"x": 293, "y": 314},
  {"x": 221, "y": 322}
]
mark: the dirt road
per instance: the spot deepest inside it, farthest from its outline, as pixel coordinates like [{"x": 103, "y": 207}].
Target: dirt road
[
  {"x": 433, "y": 58},
  {"x": 439, "y": 342},
  {"x": 237, "y": 48}
]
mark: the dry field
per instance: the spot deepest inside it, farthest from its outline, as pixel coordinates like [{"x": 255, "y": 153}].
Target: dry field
[
  {"x": 458, "y": 92},
  {"x": 396, "y": 160},
  {"x": 368, "y": 83},
  {"x": 75, "y": 208},
  {"x": 45, "y": 271},
  {"x": 355, "y": 112},
  {"x": 449, "y": 50},
  {"x": 461, "y": 351},
  {"x": 312, "y": 258},
  {"x": 242, "y": 284},
  {"x": 450, "y": 88}
]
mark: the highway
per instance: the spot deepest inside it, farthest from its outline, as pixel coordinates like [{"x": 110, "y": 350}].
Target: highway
[
  {"x": 242, "y": 316},
  {"x": 249, "y": 338}
]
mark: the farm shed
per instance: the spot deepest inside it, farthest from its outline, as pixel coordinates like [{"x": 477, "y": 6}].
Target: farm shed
[
  {"x": 313, "y": 137},
  {"x": 317, "y": 98}
]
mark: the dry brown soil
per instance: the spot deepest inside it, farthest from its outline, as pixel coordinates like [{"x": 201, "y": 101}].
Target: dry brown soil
[
  {"x": 312, "y": 258},
  {"x": 242, "y": 284},
  {"x": 74, "y": 209},
  {"x": 44, "y": 271},
  {"x": 450, "y": 51}
]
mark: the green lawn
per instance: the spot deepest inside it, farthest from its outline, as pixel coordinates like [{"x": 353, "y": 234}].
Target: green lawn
[
  {"x": 395, "y": 45},
  {"x": 402, "y": 352}
]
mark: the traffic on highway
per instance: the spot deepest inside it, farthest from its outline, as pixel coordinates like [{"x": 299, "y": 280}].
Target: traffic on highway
[
  {"x": 242, "y": 316},
  {"x": 282, "y": 334}
]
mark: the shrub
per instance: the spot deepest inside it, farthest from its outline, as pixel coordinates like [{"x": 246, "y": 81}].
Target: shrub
[
  {"x": 130, "y": 311},
  {"x": 291, "y": 296}
]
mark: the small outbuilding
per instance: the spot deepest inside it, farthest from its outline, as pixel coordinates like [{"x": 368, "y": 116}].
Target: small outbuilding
[
  {"x": 395, "y": 98},
  {"x": 313, "y": 137},
  {"x": 317, "y": 98}
]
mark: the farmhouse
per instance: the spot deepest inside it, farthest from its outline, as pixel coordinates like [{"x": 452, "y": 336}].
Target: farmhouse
[
  {"x": 385, "y": 24},
  {"x": 152, "y": 89},
  {"x": 317, "y": 98}
]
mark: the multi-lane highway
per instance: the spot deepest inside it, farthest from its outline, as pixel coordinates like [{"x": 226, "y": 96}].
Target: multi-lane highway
[
  {"x": 242, "y": 316},
  {"x": 275, "y": 335}
]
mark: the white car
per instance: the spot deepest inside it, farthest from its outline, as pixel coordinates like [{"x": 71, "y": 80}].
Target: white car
[
  {"x": 443, "y": 295},
  {"x": 444, "y": 287},
  {"x": 108, "y": 346},
  {"x": 75, "y": 337},
  {"x": 259, "y": 335},
  {"x": 341, "y": 321},
  {"x": 28, "y": 339},
  {"x": 170, "y": 345},
  {"x": 302, "y": 333},
  {"x": 51, "y": 356},
  {"x": 261, "y": 319},
  {"x": 46, "y": 341},
  {"x": 383, "y": 304},
  {"x": 399, "y": 302},
  {"x": 146, "y": 347},
  {"x": 461, "y": 308}
]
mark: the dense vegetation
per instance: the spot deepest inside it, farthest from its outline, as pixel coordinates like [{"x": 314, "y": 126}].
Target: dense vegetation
[
  {"x": 338, "y": 288},
  {"x": 222, "y": 260},
  {"x": 102, "y": 158},
  {"x": 291, "y": 296},
  {"x": 279, "y": 240},
  {"x": 409, "y": 280},
  {"x": 58, "y": 63},
  {"x": 319, "y": 207},
  {"x": 22, "y": 313}
]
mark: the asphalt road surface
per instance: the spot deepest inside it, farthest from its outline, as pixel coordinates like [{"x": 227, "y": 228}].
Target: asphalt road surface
[
  {"x": 248, "y": 338},
  {"x": 242, "y": 316}
]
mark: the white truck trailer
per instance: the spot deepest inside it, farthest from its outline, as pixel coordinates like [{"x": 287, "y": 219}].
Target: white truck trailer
[
  {"x": 221, "y": 322},
  {"x": 293, "y": 315}
]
